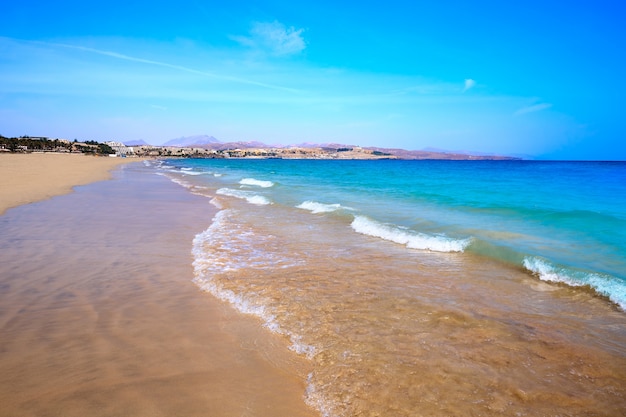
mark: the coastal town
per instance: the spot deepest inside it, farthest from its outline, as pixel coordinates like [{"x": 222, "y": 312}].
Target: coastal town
[{"x": 217, "y": 150}]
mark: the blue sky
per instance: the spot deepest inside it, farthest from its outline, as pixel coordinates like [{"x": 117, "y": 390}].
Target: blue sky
[{"x": 539, "y": 78}]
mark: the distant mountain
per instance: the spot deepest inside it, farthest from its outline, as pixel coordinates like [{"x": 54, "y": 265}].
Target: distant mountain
[
  {"x": 220, "y": 146},
  {"x": 427, "y": 153},
  {"x": 483, "y": 155},
  {"x": 139, "y": 142},
  {"x": 209, "y": 142},
  {"x": 329, "y": 145},
  {"x": 430, "y": 153},
  {"x": 438, "y": 150},
  {"x": 198, "y": 140}
]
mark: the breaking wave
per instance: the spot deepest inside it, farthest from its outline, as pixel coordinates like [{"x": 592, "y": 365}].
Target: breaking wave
[
  {"x": 410, "y": 239},
  {"x": 315, "y": 207},
  {"x": 249, "y": 196},
  {"x": 256, "y": 183},
  {"x": 605, "y": 285}
]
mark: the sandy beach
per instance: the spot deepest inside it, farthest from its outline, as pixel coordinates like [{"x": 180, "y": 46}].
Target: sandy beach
[
  {"x": 37, "y": 176},
  {"x": 98, "y": 314},
  {"x": 108, "y": 307}
]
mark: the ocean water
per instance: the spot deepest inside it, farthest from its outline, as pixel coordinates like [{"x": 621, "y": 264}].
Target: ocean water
[{"x": 427, "y": 287}]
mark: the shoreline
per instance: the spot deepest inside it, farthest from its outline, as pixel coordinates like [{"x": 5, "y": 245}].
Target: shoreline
[
  {"x": 100, "y": 315},
  {"x": 35, "y": 177}
]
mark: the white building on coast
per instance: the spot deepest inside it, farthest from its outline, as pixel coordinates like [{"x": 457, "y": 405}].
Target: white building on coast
[{"x": 121, "y": 149}]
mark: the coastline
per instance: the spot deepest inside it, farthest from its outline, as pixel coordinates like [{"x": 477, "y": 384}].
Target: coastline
[
  {"x": 100, "y": 317},
  {"x": 34, "y": 177}
]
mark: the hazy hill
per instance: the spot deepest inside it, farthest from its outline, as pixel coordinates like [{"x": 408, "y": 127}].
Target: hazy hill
[
  {"x": 195, "y": 141},
  {"x": 219, "y": 146},
  {"x": 210, "y": 142},
  {"x": 139, "y": 142}
]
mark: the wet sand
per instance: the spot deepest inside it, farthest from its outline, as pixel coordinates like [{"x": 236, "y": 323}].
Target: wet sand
[
  {"x": 416, "y": 333},
  {"x": 99, "y": 317},
  {"x": 38, "y": 176}
]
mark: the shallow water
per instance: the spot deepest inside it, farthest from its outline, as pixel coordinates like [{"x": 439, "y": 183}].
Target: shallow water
[
  {"x": 398, "y": 315},
  {"x": 563, "y": 221}
]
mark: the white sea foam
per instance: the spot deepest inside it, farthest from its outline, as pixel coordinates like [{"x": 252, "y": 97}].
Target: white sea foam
[
  {"x": 410, "y": 239},
  {"x": 611, "y": 287},
  {"x": 221, "y": 248},
  {"x": 301, "y": 348},
  {"x": 256, "y": 183},
  {"x": 216, "y": 203},
  {"x": 192, "y": 172},
  {"x": 316, "y": 399},
  {"x": 250, "y": 197},
  {"x": 194, "y": 189},
  {"x": 226, "y": 246},
  {"x": 315, "y": 207},
  {"x": 176, "y": 180}
]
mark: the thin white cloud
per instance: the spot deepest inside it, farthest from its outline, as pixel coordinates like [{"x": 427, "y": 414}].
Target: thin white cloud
[
  {"x": 533, "y": 108},
  {"x": 172, "y": 66},
  {"x": 274, "y": 38},
  {"x": 469, "y": 83}
]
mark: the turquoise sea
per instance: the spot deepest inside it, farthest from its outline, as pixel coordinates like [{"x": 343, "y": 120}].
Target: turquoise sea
[
  {"x": 562, "y": 221},
  {"x": 376, "y": 270}
]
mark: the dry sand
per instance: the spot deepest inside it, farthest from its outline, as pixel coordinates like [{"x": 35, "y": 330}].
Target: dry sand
[
  {"x": 98, "y": 314},
  {"x": 27, "y": 178}
]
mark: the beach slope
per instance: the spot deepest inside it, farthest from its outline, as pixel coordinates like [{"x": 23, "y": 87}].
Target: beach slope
[
  {"x": 27, "y": 178},
  {"x": 99, "y": 315}
]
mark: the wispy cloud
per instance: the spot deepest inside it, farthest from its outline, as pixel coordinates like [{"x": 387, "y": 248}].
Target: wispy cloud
[
  {"x": 274, "y": 38},
  {"x": 469, "y": 83},
  {"x": 533, "y": 108},
  {"x": 117, "y": 55}
]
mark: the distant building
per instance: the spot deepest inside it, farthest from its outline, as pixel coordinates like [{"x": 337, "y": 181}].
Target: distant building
[
  {"x": 121, "y": 149},
  {"x": 34, "y": 137}
]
